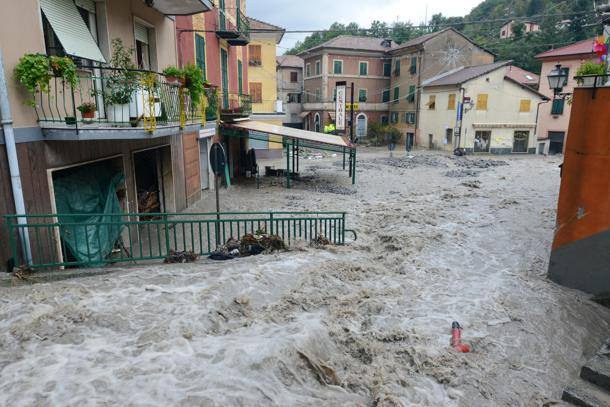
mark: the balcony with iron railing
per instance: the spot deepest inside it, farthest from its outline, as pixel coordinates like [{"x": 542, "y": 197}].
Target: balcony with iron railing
[
  {"x": 236, "y": 30},
  {"x": 235, "y": 106},
  {"x": 109, "y": 102}
]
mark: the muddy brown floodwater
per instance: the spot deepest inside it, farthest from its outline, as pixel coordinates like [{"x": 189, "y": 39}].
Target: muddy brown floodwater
[{"x": 367, "y": 324}]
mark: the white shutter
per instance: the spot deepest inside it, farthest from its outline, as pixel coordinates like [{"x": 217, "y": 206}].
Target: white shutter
[
  {"x": 141, "y": 33},
  {"x": 71, "y": 30},
  {"x": 88, "y": 5}
]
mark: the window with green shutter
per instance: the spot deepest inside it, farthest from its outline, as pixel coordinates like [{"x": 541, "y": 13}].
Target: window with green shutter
[
  {"x": 338, "y": 67},
  {"x": 411, "y": 95},
  {"x": 413, "y": 68},
  {"x": 200, "y": 53},
  {"x": 386, "y": 96},
  {"x": 396, "y": 94},
  {"x": 387, "y": 69},
  {"x": 397, "y": 67},
  {"x": 362, "y": 95},
  {"x": 557, "y": 107},
  {"x": 364, "y": 68},
  {"x": 394, "y": 117}
]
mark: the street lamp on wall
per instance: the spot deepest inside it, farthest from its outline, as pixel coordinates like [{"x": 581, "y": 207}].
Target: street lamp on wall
[{"x": 557, "y": 80}]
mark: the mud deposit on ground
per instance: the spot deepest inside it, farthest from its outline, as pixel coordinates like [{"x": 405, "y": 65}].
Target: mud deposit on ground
[{"x": 367, "y": 324}]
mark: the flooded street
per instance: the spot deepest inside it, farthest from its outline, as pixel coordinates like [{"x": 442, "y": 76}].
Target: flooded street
[{"x": 439, "y": 239}]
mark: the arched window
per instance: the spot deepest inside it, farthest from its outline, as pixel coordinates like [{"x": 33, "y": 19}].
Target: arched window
[
  {"x": 361, "y": 122},
  {"x": 316, "y": 123}
]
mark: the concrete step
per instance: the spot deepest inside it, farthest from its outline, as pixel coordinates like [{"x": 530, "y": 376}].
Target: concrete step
[
  {"x": 585, "y": 394},
  {"x": 597, "y": 371}
]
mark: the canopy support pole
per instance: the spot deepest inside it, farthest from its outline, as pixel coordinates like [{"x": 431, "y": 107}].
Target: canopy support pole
[
  {"x": 343, "y": 158},
  {"x": 287, "y": 164},
  {"x": 354, "y": 168}
]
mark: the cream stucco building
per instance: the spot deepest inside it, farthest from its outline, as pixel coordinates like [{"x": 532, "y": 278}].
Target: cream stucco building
[{"x": 498, "y": 113}]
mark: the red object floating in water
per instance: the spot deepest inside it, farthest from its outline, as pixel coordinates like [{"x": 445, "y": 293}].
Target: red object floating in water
[{"x": 456, "y": 338}]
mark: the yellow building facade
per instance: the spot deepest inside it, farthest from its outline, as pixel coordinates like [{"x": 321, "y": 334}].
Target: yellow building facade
[{"x": 262, "y": 82}]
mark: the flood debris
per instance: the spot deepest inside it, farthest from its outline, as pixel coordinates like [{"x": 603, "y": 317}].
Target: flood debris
[
  {"x": 249, "y": 245},
  {"x": 320, "y": 240},
  {"x": 412, "y": 161},
  {"x": 456, "y": 338},
  {"x": 180, "y": 257},
  {"x": 475, "y": 183},
  {"x": 477, "y": 162},
  {"x": 325, "y": 374},
  {"x": 461, "y": 173}
]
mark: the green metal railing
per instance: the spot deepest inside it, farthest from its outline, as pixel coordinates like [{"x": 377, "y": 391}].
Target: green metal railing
[{"x": 159, "y": 234}]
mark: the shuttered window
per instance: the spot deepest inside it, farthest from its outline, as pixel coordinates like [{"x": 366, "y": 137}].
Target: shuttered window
[
  {"x": 140, "y": 32},
  {"x": 482, "y": 101},
  {"x": 431, "y": 102},
  {"x": 557, "y": 107},
  {"x": 318, "y": 68},
  {"x": 70, "y": 29},
  {"x": 386, "y": 96},
  {"x": 411, "y": 94},
  {"x": 525, "y": 105},
  {"x": 387, "y": 69},
  {"x": 364, "y": 68},
  {"x": 413, "y": 68},
  {"x": 396, "y": 94},
  {"x": 256, "y": 92},
  {"x": 255, "y": 55},
  {"x": 451, "y": 102},
  {"x": 200, "y": 53}
]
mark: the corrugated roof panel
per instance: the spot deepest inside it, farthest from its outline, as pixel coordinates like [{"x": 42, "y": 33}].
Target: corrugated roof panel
[{"x": 71, "y": 30}]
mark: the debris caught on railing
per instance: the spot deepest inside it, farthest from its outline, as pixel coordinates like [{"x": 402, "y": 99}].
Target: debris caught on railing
[
  {"x": 456, "y": 338},
  {"x": 320, "y": 240},
  {"x": 180, "y": 257},
  {"x": 249, "y": 245}
]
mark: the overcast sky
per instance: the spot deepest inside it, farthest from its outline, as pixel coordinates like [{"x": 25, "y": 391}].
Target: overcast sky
[{"x": 319, "y": 14}]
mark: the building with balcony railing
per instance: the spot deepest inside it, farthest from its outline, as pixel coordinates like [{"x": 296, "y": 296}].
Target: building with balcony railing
[{"x": 115, "y": 122}]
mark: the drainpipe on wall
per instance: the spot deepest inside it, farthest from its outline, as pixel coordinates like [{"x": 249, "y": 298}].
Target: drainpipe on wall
[
  {"x": 459, "y": 118},
  {"x": 13, "y": 163},
  {"x": 537, "y": 114}
]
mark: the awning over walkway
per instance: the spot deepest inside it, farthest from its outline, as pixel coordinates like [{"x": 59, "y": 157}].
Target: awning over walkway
[
  {"x": 292, "y": 141},
  {"x": 304, "y": 114},
  {"x": 292, "y": 133}
]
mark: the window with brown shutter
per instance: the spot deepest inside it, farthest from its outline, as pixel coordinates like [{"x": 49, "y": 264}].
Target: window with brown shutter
[
  {"x": 294, "y": 77},
  {"x": 482, "y": 101},
  {"x": 525, "y": 105},
  {"x": 256, "y": 92},
  {"x": 255, "y": 55},
  {"x": 451, "y": 102}
]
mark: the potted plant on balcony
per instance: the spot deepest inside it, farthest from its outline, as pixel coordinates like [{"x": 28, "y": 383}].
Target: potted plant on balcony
[
  {"x": 172, "y": 74},
  {"x": 121, "y": 83},
  {"x": 64, "y": 68},
  {"x": 193, "y": 82},
  {"x": 87, "y": 110},
  {"x": 591, "y": 69},
  {"x": 32, "y": 71}
]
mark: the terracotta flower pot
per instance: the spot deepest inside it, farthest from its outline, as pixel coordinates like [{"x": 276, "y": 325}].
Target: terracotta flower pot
[{"x": 88, "y": 115}]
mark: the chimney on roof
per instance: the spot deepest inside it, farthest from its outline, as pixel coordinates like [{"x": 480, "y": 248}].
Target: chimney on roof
[{"x": 387, "y": 43}]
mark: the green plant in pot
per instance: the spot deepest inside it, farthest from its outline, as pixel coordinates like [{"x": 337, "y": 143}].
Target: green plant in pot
[
  {"x": 33, "y": 72},
  {"x": 193, "y": 81},
  {"x": 212, "y": 108},
  {"x": 172, "y": 74},
  {"x": 64, "y": 68},
  {"x": 591, "y": 68},
  {"x": 87, "y": 110},
  {"x": 121, "y": 83}
]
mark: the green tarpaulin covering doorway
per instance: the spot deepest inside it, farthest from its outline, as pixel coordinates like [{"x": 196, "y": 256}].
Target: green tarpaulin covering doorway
[{"x": 87, "y": 194}]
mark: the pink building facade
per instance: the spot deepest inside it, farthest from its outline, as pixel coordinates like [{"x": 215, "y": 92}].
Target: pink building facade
[{"x": 554, "y": 116}]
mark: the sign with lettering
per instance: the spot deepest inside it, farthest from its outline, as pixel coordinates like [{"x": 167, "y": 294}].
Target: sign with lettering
[{"x": 340, "y": 107}]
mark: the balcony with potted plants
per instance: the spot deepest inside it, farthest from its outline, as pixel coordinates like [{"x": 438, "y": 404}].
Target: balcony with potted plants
[{"x": 114, "y": 101}]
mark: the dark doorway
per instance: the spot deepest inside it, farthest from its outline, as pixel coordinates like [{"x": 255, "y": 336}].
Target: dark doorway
[
  {"x": 410, "y": 141},
  {"x": 148, "y": 174},
  {"x": 520, "y": 141},
  {"x": 482, "y": 141},
  {"x": 556, "y": 140}
]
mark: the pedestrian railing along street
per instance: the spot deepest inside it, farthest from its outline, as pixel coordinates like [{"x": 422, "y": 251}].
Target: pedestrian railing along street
[{"x": 71, "y": 240}]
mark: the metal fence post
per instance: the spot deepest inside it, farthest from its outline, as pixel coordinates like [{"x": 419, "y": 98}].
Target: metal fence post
[{"x": 271, "y": 221}]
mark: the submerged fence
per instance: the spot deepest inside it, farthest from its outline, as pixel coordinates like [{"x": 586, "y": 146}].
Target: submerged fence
[{"x": 81, "y": 242}]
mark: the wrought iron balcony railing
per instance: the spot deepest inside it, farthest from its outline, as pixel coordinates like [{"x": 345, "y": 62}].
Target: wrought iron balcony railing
[
  {"x": 118, "y": 98},
  {"x": 236, "y": 30},
  {"x": 235, "y": 106}
]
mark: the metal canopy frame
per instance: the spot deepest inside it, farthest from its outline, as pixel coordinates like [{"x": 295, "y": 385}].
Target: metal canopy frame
[{"x": 292, "y": 146}]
